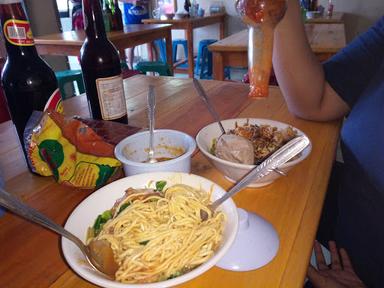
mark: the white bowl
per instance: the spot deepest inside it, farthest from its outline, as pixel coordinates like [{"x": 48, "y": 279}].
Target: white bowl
[
  {"x": 86, "y": 212},
  {"x": 235, "y": 171},
  {"x": 133, "y": 152}
]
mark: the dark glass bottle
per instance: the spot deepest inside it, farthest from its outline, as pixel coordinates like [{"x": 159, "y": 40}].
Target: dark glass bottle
[
  {"x": 313, "y": 5},
  {"x": 187, "y": 5},
  {"x": 107, "y": 16},
  {"x": 100, "y": 64},
  {"x": 28, "y": 81},
  {"x": 117, "y": 18}
]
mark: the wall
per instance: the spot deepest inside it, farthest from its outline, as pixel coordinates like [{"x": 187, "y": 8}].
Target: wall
[
  {"x": 43, "y": 16},
  {"x": 360, "y": 14},
  {"x": 233, "y": 23}
]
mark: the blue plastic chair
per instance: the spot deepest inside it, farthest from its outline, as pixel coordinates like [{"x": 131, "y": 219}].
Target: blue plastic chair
[
  {"x": 203, "y": 66},
  {"x": 160, "y": 43},
  {"x": 175, "y": 44}
]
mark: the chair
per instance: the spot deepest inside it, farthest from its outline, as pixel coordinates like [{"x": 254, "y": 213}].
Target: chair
[
  {"x": 203, "y": 66},
  {"x": 123, "y": 65},
  {"x": 160, "y": 43},
  {"x": 175, "y": 44},
  {"x": 4, "y": 114},
  {"x": 154, "y": 66},
  {"x": 69, "y": 76},
  {"x": 127, "y": 73}
]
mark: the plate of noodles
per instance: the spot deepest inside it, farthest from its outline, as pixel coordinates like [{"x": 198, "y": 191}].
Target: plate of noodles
[{"x": 153, "y": 223}]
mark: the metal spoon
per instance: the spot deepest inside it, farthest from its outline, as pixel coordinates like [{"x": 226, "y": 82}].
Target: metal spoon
[
  {"x": 200, "y": 90},
  {"x": 215, "y": 115},
  {"x": 225, "y": 137},
  {"x": 98, "y": 253},
  {"x": 278, "y": 158},
  {"x": 151, "y": 119}
]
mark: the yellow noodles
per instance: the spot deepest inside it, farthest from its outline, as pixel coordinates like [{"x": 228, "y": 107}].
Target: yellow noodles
[{"x": 161, "y": 237}]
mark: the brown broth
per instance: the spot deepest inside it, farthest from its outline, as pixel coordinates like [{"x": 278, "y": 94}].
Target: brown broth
[{"x": 161, "y": 159}]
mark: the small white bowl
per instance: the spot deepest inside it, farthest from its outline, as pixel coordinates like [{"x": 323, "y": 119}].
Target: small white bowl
[
  {"x": 86, "y": 212},
  {"x": 235, "y": 171},
  {"x": 133, "y": 152}
]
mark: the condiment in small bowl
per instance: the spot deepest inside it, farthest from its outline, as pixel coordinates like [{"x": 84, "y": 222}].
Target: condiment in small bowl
[{"x": 173, "y": 151}]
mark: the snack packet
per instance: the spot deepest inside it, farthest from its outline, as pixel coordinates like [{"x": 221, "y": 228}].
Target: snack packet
[{"x": 77, "y": 152}]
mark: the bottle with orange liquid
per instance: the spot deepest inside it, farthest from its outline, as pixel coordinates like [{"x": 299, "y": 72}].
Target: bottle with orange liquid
[{"x": 261, "y": 16}]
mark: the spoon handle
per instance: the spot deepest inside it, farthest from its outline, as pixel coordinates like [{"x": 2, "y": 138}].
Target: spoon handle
[
  {"x": 204, "y": 97},
  {"x": 281, "y": 156},
  {"x": 16, "y": 206},
  {"x": 151, "y": 118}
]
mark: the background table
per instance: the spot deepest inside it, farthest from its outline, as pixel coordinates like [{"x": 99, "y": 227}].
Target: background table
[
  {"x": 188, "y": 24},
  {"x": 337, "y": 17},
  {"x": 69, "y": 43},
  {"x": 31, "y": 256},
  {"x": 324, "y": 39}
]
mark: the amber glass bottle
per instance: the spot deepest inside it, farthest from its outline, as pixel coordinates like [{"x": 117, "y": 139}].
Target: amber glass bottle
[
  {"x": 117, "y": 18},
  {"x": 28, "y": 81},
  {"x": 100, "y": 64}
]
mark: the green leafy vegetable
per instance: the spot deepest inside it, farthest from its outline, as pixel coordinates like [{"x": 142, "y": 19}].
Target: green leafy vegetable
[
  {"x": 160, "y": 185},
  {"x": 122, "y": 207},
  {"x": 174, "y": 275},
  {"x": 106, "y": 215},
  {"x": 101, "y": 220},
  {"x": 212, "y": 150}
]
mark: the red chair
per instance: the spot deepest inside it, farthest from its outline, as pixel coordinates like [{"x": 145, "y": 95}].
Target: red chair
[
  {"x": 127, "y": 73},
  {"x": 4, "y": 114}
]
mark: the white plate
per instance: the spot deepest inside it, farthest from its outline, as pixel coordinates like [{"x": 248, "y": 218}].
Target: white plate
[{"x": 103, "y": 199}]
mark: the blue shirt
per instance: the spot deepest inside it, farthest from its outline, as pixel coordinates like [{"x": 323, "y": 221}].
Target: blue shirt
[
  {"x": 357, "y": 74},
  {"x": 133, "y": 14}
]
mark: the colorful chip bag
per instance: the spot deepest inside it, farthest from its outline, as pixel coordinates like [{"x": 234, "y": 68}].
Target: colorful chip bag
[{"x": 77, "y": 152}]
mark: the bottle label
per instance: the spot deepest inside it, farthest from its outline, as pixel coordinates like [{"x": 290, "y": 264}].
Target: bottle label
[
  {"x": 54, "y": 102},
  {"x": 18, "y": 32},
  {"x": 110, "y": 92}
]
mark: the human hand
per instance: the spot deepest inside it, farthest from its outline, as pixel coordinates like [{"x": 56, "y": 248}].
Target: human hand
[{"x": 341, "y": 273}]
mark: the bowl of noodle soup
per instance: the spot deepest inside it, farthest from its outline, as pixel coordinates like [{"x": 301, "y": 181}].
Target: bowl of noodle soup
[
  {"x": 233, "y": 171},
  {"x": 87, "y": 211}
]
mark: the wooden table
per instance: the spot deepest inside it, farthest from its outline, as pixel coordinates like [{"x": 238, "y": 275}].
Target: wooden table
[
  {"x": 188, "y": 24},
  {"x": 69, "y": 43},
  {"x": 337, "y": 17},
  {"x": 31, "y": 256},
  {"x": 324, "y": 39}
]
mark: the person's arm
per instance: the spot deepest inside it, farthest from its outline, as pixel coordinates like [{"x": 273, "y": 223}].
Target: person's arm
[{"x": 299, "y": 73}]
